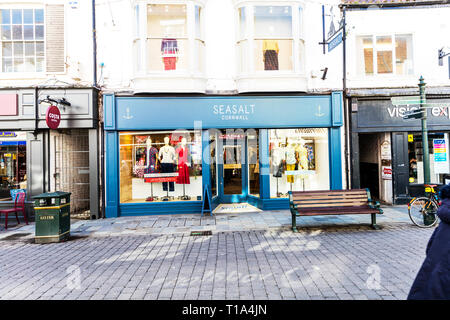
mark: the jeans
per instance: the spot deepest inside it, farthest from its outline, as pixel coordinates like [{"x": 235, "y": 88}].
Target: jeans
[{"x": 168, "y": 168}]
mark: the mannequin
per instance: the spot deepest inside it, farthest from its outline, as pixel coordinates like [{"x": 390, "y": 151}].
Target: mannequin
[
  {"x": 151, "y": 165},
  {"x": 169, "y": 52},
  {"x": 290, "y": 161},
  {"x": 302, "y": 159},
  {"x": 152, "y": 157},
  {"x": 270, "y": 52},
  {"x": 278, "y": 158},
  {"x": 184, "y": 162},
  {"x": 167, "y": 160}
]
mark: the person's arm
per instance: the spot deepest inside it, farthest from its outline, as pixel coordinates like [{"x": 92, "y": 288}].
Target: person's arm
[{"x": 444, "y": 212}]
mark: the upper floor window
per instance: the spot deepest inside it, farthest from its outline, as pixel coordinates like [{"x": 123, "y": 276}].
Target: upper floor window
[
  {"x": 22, "y": 40},
  {"x": 385, "y": 54},
  {"x": 165, "y": 33},
  {"x": 270, "y": 38}
]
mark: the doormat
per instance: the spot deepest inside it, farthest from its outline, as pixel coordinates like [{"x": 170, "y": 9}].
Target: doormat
[{"x": 235, "y": 208}]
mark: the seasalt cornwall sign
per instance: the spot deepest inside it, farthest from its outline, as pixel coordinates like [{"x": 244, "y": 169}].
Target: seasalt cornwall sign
[{"x": 234, "y": 111}]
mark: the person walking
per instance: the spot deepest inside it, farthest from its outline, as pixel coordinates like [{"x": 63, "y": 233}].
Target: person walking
[{"x": 433, "y": 280}]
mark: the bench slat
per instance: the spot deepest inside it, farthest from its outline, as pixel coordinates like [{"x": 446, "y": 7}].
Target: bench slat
[
  {"x": 337, "y": 196},
  {"x": 331, "y": 200},
  {"x": 320, "y": 213},
  {"x": 327, "y": 205}
]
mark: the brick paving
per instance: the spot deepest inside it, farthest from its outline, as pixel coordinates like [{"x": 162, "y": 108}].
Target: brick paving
[{"x": 336, "y": 262}]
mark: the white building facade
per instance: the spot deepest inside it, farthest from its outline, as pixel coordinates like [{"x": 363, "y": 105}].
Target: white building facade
[
  {"x": 47, "y": 52},
  {"x": 243, "y": 79},
  {"x": 389, "y": 47}
]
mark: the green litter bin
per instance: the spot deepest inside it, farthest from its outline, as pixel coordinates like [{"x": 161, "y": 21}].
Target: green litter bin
[{"x": 52, "y": 216}]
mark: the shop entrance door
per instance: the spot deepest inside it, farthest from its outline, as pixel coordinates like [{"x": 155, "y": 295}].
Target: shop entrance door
[{"x": 232, "y": 167}]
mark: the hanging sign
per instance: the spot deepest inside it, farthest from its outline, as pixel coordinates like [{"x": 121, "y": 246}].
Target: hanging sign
[
  {"x": 441, "y": 164},
  {"x": 53, "y": 117}
]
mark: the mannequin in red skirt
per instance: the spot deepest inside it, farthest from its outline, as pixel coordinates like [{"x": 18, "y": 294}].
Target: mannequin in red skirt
[{"x": 184, "y": 159}]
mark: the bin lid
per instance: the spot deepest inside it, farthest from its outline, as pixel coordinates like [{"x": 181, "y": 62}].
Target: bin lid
[{"x": 57, "y": 194}]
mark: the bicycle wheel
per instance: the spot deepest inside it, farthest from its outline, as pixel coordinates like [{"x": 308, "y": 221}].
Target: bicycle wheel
[{"x": 422, "y": 212}]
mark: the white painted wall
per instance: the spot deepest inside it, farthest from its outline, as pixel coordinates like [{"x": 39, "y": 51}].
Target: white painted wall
[{"x": 430, "y": 29}]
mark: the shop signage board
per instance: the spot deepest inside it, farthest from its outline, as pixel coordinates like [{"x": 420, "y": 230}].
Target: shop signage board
[
  {"x": 53, "y": 117},
  {"x": 441, "y": 164},
  {"x": 231, "y": 112},
  {"x": 383, "y": 113}
]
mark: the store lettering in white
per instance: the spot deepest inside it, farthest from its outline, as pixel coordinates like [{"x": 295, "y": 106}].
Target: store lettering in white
[
  {"x": 437, "y": 111},
  {"x": 234, "y": 111}
]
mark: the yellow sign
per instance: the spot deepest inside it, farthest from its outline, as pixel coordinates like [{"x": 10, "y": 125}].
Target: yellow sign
[{"x": 410, "y": 138}]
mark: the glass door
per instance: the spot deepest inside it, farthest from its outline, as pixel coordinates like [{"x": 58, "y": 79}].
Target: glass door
[{"x": 232, "y": 167}]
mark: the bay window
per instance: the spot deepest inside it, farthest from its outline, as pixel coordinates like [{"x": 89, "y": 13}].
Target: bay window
[
  {"x": 168, "y": 38},
  {"x": 385, "y": 54},
  {"x": 270, "y": 38}
]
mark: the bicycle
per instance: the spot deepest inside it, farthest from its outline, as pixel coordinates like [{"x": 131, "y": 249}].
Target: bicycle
[{"x": 422, "y": 210}]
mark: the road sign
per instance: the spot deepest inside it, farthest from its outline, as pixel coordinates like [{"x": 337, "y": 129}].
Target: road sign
[
  {"x": 335, "y": 42},
  {"x": 413, "y": 114}
]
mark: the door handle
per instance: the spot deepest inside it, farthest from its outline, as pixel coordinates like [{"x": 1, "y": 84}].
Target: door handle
[{"x": 401, "y": 165}]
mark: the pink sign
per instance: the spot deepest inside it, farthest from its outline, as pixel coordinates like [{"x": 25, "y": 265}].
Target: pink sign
[
  {"x": 53, "y": 117},
  {"x": 8, "y": 104}
]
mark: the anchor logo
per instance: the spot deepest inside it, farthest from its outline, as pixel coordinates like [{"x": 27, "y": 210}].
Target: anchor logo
[
  {"x": 319, "y": 113},
  {"x": 128, "y": 116}
]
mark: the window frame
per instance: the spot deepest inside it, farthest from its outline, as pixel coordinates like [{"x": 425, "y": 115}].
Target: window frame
[
  {"x": 297, "y": 38},
  {"x": 360, "y": 55},
  {"x": 191, "y": 38},
  {"x": 25, "y": 74}
]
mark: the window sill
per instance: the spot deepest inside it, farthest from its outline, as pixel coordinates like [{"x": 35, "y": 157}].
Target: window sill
[
  {"x": 23, "y": 75},
  {"x": 169, "y": 82},
  {"x": 265, "y": 82}
]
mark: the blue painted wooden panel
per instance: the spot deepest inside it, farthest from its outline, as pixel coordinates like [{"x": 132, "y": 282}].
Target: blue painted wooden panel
[
  {"x": 335, "y": 150},
  {"x": 337, "y": 109},
  {"x": 109, "y": 112},
  {"x": 112, "y": 174},
  {"x": 169, "y": 207},
  {"x": 138, "y": 113}
]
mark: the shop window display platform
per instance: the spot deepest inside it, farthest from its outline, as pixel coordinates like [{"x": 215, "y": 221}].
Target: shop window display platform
[{"x": 184, "y": 224}]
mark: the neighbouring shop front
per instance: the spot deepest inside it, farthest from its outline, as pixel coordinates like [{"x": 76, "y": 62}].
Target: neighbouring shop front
[
  {"x": 387, "y": 151},
  {"x": 38, "y": 159},
  {"x": 171, "y": 154}
]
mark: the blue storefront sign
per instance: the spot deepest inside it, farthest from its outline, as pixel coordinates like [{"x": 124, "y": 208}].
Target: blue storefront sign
[
  {"x": 147, "y": 114},
  {"x": 335, "y": 42}
]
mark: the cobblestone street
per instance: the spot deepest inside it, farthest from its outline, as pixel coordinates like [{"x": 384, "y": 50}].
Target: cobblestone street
[{"x": 337, "y": 262}]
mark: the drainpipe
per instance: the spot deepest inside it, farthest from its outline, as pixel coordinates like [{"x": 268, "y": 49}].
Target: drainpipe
[
  {"x": 345, "y": 98},
  {"x": 94, "y": 39}
]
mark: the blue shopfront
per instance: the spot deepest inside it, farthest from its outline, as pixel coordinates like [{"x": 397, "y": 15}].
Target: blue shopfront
[{"x": 167, "y": 155}]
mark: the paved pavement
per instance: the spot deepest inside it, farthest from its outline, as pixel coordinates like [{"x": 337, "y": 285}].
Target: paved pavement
[
  {"x": 185, "y": 223},
  {"x": 121, "y": 259}
]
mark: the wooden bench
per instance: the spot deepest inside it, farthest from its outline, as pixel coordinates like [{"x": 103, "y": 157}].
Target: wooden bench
[{"x": 333, "y": 202}]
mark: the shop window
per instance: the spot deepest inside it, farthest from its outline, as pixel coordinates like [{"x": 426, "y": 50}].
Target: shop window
[
  {"x": 299, "y": 160},
  {"x": 167, "y": 37},
  {"x": 253, "y": 161},
  {"x": 22, "y": 40},
  {"x": 160, "y": 166},
  {"x": 273, "y": 45},
  {"x": 242, "y": 43},
  {"x": 13, "y": 163},
  {"x": 439, "y": 157},
  {"x": 387, "y": 54},
  {"x": 213, "y": 162}
]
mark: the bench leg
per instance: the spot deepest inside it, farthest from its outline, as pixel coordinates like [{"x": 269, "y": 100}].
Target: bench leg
[
  {"x": 374, "y": 222},
  {"x": 294, "y": 223}
]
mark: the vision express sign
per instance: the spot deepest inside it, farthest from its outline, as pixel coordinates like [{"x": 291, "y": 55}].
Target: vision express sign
[{"x": 382, "y": 113}]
